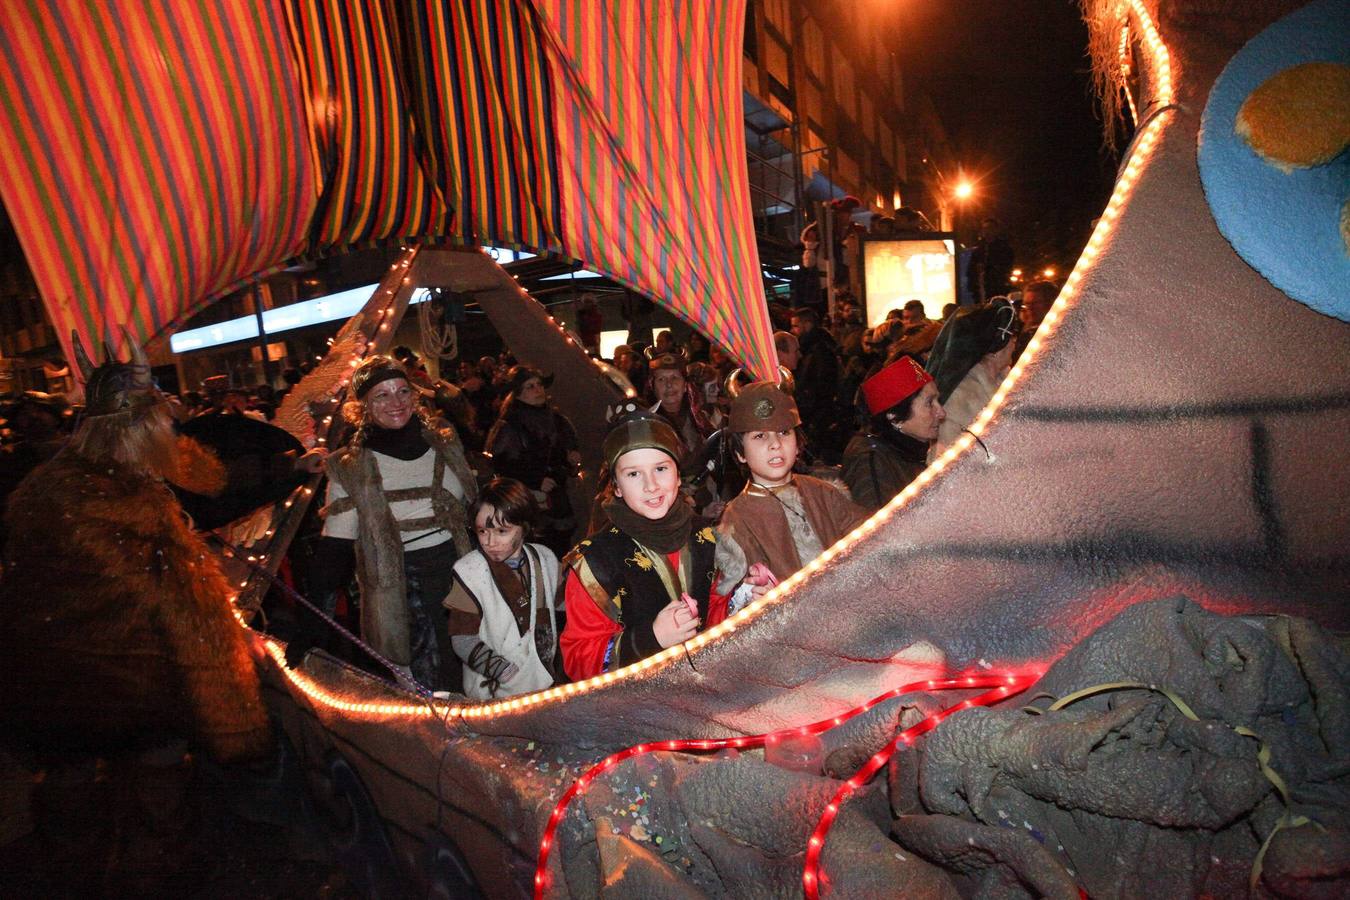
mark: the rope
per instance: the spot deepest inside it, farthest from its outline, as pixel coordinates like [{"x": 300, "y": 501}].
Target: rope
[
  {"x": 293, "y": 594},
  {"x": 1287, "y": 820}
]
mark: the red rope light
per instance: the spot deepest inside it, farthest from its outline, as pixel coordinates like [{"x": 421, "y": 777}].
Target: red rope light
[{"x": 1004, "y": 686}]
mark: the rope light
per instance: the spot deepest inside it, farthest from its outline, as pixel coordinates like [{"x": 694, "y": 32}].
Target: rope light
[
  {"x": 1003, "y": 686},
  {"x": 1144, "y": 145},
  {"x": 811, "y": 877}
]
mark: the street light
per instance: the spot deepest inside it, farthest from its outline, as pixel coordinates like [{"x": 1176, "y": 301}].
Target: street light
[
  {"x": 1049, "y": 272},
  {"x": 964, "y": 189}
]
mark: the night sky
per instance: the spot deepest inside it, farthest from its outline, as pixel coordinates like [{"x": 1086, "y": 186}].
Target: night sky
[{"x": 1011, "y": 82}]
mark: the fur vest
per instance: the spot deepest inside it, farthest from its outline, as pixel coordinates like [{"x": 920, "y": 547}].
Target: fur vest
[
  {"x": 115, "y": 619},
  {"x": 379, "y": 546},
  {"x": 757, "y": 524}
]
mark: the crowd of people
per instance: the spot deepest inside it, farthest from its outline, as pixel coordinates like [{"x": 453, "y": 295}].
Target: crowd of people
[{"x": 450, "y": 538}]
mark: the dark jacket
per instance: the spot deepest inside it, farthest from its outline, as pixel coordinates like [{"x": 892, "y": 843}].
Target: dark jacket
[
  {"x": 876, "y": 468},
  {"x": 817, "y": 376}
]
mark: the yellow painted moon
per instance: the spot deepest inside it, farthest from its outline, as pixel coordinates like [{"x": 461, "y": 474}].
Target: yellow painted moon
[{"x": 1300, "y": 116}]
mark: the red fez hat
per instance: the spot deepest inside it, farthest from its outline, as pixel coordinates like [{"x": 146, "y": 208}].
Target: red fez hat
[{"x": 899, "y": 380}]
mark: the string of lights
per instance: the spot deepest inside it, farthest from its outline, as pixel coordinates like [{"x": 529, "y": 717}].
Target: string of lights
[
  {"x": 815, "y": 847},
  {"x": 1003, "y": 686}
]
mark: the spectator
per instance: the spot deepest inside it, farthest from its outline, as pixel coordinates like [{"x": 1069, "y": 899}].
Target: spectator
[
  {"x": 37, "y": 423},
  {"x": 970, "y": 358},
  {"x": 698, "y": 347},
  {"x": 848, "y": 328},
  {"x": 720, "y": 360},
  {"x": 789, "y": 349},
  {"x": 589, "y": 323},
  {"x": 911, "y": 221},
  {"x": 1037, "y": 298},
  {"x": 902, "y": 402},
  {"x": 814, "y": 258},
  {"x": 991, "y": 260},
  {"x": 536, "y": 445},
  {"x": 479, "y": 392},
  {"x": 817, "y": 375},
  {"x": 676, "y": 403},
  {"x": 637, "y": 311},
  {"x": 916, "y": 334},
  {"x": 265, "y": 401}
]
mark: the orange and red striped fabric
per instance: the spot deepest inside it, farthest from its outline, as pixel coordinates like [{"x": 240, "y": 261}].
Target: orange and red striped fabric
[
  {"x": 154, "y": 155},
  {"x": 651, "y": 155},
  {"x": 167, "y": 155}
]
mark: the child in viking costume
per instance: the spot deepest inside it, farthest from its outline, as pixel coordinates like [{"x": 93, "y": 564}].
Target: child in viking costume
[
  {"x": 782, "y": 520},
  {"x": 646, "y": 580},
  {"x": 116, "y": 619},
  {"x": 503, "y": 625},
  {"x": 398, "y": 492}
]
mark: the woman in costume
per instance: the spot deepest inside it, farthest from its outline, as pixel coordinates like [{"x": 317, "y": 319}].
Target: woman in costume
[{"x": 398, "y": 493}]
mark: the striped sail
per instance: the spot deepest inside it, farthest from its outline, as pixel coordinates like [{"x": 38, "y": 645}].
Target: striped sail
[{"x": 159, "y": 156}]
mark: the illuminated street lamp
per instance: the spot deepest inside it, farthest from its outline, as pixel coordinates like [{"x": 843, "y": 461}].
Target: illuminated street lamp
[
  {"x": 964, "y": 190},
  {"x": 1049, "y": 272},
  {"x": 1017, "y": 272}
]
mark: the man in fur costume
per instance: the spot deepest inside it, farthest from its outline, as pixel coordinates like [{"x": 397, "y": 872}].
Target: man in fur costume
[{"x": 118, "y": 631}]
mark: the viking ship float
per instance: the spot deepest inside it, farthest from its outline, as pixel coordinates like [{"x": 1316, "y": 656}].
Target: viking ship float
[{"x": 1175, "y": 428}]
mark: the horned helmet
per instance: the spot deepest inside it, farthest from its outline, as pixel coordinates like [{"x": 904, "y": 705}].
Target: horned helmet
[{"x": 114, "y": 386}]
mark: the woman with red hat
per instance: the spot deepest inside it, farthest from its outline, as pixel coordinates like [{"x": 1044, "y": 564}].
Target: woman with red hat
[{"x": 902, "y": 400}]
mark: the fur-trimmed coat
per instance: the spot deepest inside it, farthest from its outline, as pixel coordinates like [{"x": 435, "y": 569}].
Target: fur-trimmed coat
[{"x": 115, "y": 623}]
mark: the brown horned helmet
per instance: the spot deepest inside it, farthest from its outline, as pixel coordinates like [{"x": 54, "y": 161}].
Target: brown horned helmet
[
  {"x": 762, "y": 405},
  {"x": 115, "y": 386}
]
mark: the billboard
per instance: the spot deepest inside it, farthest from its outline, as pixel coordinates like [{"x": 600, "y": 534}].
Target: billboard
[{"x": 897, "y": 270}]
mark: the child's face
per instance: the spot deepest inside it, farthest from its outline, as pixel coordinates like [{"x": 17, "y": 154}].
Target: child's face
[
  {"x": 647, "y": 481},
  {"x": 770, "y": 456},
  {"x": 498, "y": 540}
]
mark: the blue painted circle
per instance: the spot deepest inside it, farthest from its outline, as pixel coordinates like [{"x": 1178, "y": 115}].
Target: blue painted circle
[{"x": 1285, "y": 225}]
